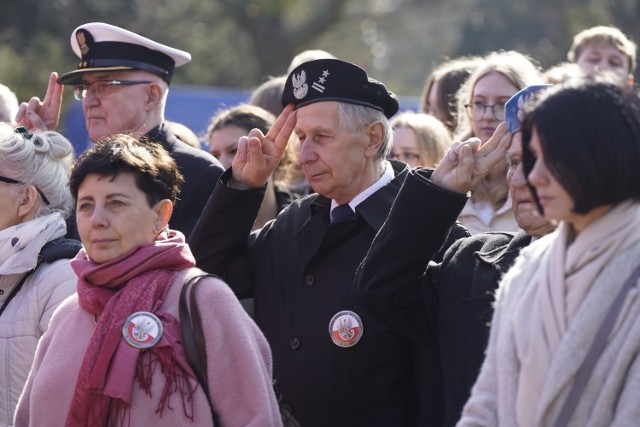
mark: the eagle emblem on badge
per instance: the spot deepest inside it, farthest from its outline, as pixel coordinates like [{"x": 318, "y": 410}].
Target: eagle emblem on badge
[
  {"x": 82, "y": 42},
  {"x": 300, "y": 87},
  {"x": 346, "y": 329},
  {"x": 522, "y": 104},
  {"x": 142, "y": 330}
]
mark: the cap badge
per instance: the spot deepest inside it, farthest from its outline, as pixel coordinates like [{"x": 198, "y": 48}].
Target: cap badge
[
  {"x": 82, "y": 42},
  {"x": 515, "y": 107},
  {"x": 346, "y": 329},
  {"x": 522, "y": 104},
  {"x": 300, "y": 87},
  {"x": 142, "y": 330}
]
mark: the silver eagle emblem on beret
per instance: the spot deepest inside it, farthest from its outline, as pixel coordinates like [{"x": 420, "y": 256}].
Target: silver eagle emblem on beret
[{"x": 300, "y": 87}]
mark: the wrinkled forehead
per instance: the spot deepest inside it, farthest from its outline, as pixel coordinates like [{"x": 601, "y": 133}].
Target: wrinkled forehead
[{"x": 318, "y": 114}]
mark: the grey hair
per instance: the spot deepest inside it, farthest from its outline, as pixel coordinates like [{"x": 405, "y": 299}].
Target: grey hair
[
  {"x": 8, "y": 104},
  {"x": 43, "y": 160},
  {"x": 354, "y": 118}
]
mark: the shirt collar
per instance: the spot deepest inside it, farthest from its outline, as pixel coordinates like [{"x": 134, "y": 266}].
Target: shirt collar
[{"x": 386, "y": 178}]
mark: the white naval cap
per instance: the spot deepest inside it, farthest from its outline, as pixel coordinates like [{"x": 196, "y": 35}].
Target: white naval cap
[{"x": 105, "y": 47}]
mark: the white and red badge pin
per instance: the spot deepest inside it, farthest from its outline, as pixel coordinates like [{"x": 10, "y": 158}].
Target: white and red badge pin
[
  {"x": 142, "y": 330},
  {"x": 346, "y": 328}
]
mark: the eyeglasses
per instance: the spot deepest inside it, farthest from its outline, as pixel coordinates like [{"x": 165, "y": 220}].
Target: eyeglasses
[
  {"x": 14, "y": 181},
  {"x": 477, "y": 109},
  {"x": 405, "y": 156},
  {"x": 103, "y": 87}
]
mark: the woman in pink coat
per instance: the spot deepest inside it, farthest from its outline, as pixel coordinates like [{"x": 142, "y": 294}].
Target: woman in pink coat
[{"x": 114, "y": 353}]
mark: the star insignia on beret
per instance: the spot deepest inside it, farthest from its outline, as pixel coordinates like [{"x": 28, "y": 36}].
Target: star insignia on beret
[{"x": 319, "y": 85}]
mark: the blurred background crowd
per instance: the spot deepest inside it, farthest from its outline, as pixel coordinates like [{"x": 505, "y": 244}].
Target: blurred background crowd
[{"x": 237, "y": 44}]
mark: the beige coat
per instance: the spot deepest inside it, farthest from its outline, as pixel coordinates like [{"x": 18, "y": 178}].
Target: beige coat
[
  {"x": 611, "y": 395},
  {"x": 22, "y": 324},
  {"x": 503, "y": 219}
]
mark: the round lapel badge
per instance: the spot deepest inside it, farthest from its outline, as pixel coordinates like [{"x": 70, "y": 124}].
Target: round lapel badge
[
  {"x": 142, "y": 330},
  {"x": 346, "y": 328}
]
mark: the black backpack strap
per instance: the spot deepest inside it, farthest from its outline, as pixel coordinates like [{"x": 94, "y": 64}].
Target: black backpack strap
[
  {"x": 59, "y": 248},
  {"x": 54, "y": 250},
  {"x": 16, "y": 289},
  {"x": 193, "y": 337},
  {"x": 194, "y": 348}
]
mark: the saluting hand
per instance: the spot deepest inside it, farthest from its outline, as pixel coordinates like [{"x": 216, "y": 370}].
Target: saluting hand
[
  {"x": 258, "y": 155},
  {"x": 467, "y": 163},
  {"x": 42, "y": 115}
]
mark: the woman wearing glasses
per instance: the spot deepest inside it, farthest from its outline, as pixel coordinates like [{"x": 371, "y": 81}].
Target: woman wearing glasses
[
  {"x": 480, "y": 109},
  {"x": 35, "y": 200}
]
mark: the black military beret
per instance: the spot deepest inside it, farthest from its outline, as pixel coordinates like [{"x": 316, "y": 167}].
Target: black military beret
[
  {"x": 105, "y": 47},
  {"x": 336, "y": 80}
]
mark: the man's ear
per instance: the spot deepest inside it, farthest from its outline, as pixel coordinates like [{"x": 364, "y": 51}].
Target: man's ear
[
  {"x": 163, "y": 210},
  {"x": 375, "y": 133},
  {"x": 630, "y": 80},
  {"x": 27, "y": 206},
  {"x": 154, "y": 95}
]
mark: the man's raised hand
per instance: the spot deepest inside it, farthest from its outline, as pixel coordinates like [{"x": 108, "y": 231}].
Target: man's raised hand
[
  {"x": 467, "y": 163},
  {"x": 258, "y": 155},
  {"x": 42, "y": 115}
]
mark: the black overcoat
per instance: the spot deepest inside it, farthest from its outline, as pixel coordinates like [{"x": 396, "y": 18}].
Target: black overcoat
[
  {"x": 300, "y": 270},
  {"x": 447, "y": 306},
  {"x": 201, "y": 172}
]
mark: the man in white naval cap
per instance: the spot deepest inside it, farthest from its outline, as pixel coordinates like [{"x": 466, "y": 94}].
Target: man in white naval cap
[{"x": 123, "y": 80}]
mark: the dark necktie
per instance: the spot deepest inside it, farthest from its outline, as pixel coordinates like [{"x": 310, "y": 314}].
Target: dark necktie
[{"x": 342, "y": 213}]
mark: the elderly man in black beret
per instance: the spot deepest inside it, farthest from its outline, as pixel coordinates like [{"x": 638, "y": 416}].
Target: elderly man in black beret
[
  {"x": 123, "y": 80},
  {"x": 334, "y": 364}
]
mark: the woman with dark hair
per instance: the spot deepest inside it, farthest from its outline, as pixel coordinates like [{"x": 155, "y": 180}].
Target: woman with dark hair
[
  {"x": 114, "y": 353},
  {"x": 443, "y": 82},
  {"x": 223, "y": 133},
  {"x": 563, "y": 349}
]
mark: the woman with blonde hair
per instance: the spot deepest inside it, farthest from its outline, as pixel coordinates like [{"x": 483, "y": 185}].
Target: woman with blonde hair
[
  {"x": 480, "y": 109},
  {"x": 418, "y": 139}
]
